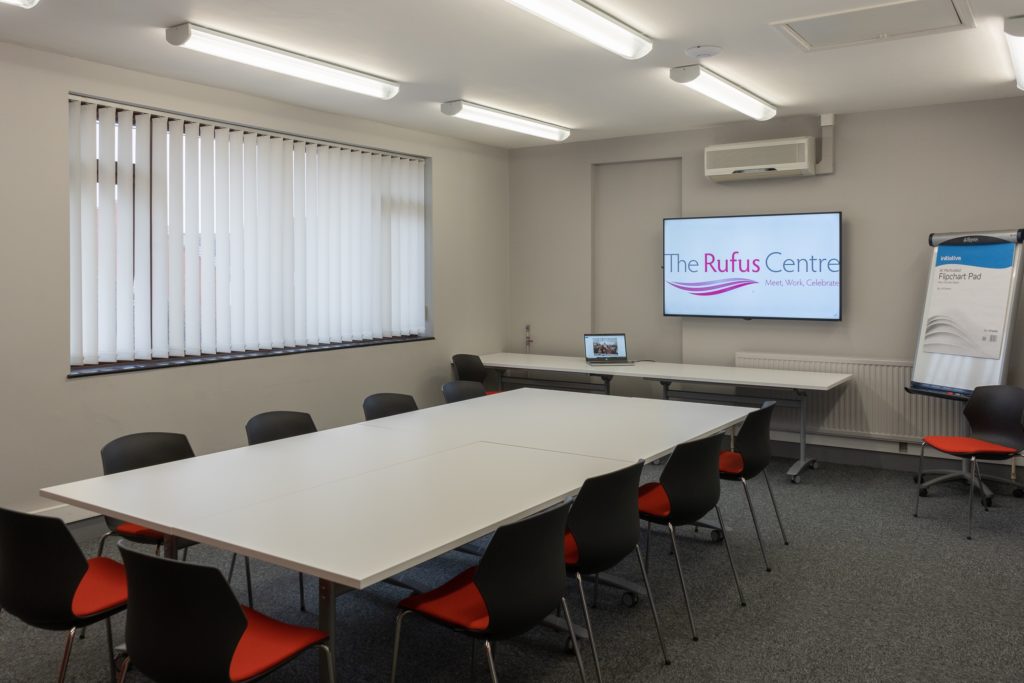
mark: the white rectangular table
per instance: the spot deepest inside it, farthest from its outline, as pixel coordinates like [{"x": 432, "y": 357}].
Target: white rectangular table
[
  {"x": 796, "y": 381},
  {"x": 358, "y": 504}
]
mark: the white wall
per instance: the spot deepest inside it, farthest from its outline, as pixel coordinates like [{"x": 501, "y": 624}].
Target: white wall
[
  {"x": 53, "y": 427},
  {"x": 900, "y": 175}
]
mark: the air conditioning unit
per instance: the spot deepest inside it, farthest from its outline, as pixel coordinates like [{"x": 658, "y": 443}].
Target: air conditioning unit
[{"x": 760, "y": 159}]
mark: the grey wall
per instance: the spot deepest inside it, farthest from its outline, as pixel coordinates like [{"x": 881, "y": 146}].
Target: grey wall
[
  {"x": 900, "y": 175},
  {"x": 53, "y": 427}
]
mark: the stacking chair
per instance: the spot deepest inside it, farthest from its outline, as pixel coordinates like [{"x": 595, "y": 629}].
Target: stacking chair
[
  {"x": 185, "y": 624},
  {"x": 461, "y": 390},
  {"x": 46, "y": 581},
  {"x": 376, "y": 406},
  {"x": 995, "y": 415},
  {"x": 519, "y": 581},
  {"x": 144, "y": 449},
  {"x": 689, "y": 488},
  {"x": 750, "y": 457},
  {"x": 272, "y": 426},
  {"x": 602, "y": 530}
]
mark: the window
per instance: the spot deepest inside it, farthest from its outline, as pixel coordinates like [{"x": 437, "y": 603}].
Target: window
[{"x": 193, "y": 239}]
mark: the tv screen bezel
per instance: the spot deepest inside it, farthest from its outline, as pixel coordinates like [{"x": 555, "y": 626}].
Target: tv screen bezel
[{"x": 665, "y": 314}]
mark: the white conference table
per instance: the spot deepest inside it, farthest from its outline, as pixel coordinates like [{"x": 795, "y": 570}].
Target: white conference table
[
  {"x": 358, "y": 504},
  {"x": 798, "y": 382}
]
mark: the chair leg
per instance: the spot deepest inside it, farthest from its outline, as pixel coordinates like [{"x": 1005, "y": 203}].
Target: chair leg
[
  {"x": 970, "y": 499},
  {"x": 920, "y": 477},
  {"x": 110, "y": 652},
  {"x": 103, "y": 541},
  {"x": 231, "y": 567},
  {"x": 490, "y": 661},
  {"x": 184, "y": 555},
  {"x": 572, "y": 639},
  {"x": 728, "y": 551},
  {"x": 302, "y": 593},
  {"x": 248, "y": 581},
  {"x": 590, "y": 626},
  {"x": 123, "y": 673},
  {"x": 654, "y": 610},
  {"x": 398, "y": 640},
  {"x": 330, "y": 658},
  {"x": 771, "y": 494},
  {"x": 757, "y": 527},
  {"x": 682, "y": 581},
  {"x": 69, "y": 641}
]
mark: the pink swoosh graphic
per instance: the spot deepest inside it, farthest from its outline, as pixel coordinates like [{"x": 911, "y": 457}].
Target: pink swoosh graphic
[{"x": 713, "y": 287}]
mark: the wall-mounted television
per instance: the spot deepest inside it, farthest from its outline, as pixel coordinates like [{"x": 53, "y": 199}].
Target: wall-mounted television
[{"x": 770, "y": 266}]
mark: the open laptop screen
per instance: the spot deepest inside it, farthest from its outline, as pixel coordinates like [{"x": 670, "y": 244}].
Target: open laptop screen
[{"x": 604, "y": 346}]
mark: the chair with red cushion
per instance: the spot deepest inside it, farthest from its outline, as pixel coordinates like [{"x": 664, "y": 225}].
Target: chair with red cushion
[
  {"x": 145, "y": 449},
  {"x": 688, "y": 489},
  {"x": 185, "y": 624},
  {"x": 750, "y": 456},
  {"x": 46, "y": 581},
  {"x": 603, "y": 530},
  {"x": 995, "y": 414},
  {"x": 470, "y": 368},
  {"x": 376, "y": 406},
  {"x": 462, "y": 390},
  {"x": 519, "y": 581}
]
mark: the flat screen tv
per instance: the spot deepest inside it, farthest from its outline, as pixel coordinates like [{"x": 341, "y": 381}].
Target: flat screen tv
[{"x": 785, "y": 266}]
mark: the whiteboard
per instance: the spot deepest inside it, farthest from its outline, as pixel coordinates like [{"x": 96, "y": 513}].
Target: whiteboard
[{"x": 968, "y": 312}]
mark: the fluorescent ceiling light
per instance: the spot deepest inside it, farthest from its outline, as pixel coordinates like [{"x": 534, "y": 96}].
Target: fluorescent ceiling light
[
  {"x": 710, "y": 84},
  {"x": 503, "y": 119},
  {"x": 27, "y": 4},
  {"x": 590, "y": 23},
  {"x": 1014, "y": 28},
  {"x": 281, "y": 61}
]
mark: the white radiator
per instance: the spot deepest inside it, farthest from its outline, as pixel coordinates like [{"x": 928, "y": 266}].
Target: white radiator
[{"x": 874, "y": 405}]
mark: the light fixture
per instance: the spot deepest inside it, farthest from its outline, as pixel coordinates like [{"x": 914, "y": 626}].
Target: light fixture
[
  {"x": 503, "y": 119},
  {"x": 590, "y": 23},
  {"x": 281, "y": 61},
  {"x": 27, "y": 4},
  {"x": 1014, "y": 28},
  {"x": 710, "y": 84}
]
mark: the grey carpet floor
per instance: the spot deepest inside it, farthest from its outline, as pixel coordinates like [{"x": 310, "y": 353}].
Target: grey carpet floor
[{"x": 864, "y": 592}]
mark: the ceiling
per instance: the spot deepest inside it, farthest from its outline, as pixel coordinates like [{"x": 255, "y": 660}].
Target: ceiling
[{"x": 490, "y": 52}]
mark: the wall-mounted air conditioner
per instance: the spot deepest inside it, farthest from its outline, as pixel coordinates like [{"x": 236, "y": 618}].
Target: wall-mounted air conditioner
[{"x": 760, "y": 159}]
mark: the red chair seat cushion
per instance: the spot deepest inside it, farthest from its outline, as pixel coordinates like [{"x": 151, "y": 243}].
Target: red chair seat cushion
[
  {"x": 102, "y": 588},
  {"x": 572, "y": 551},
  {"x": 730, "y": 462},
  {"x": 654, "y": 500},
  {"x": 491, "y": 393},
  {"x": 129, "y": 530},
  {"x": 966, "y": 446},
  {"x": 457, "y": 602},
  {"x": 268, "y": 643}
]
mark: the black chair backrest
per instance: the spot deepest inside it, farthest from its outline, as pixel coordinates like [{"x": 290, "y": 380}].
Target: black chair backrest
[
  {"x": 522, "y": 573},
  {"x": 384, "y": 405},
  {"x": 184, "y": 622},
  {"x": 995, "y": 413},
  {"x": 691, "y": 480},
  {"x": 40, "y": 568},
  {"x": 469, "y": 368},
  {"x": 132, "y": 451},
  {"x": 604, "y": 520},
  {"x": 461, "y": 389},
  {"x": 278, "y": 424},
  {"x": 754, "y": 441}
]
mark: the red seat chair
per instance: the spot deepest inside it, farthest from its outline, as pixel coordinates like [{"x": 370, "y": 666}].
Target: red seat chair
[
  {"x": 185, "y": 624},
  {"x": 995, "y": 414},
  {"x": 519, "y": 581},
  {"x": 46, "y": 581}
]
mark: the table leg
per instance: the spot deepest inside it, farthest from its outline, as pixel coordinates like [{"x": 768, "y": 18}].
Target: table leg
[
  {"x": 664, "y": 389},
  {"x": 170, "y": 546},
  {"x": 803, "y": 462},
  {"x": 501, "y": 379},
  {"x": 328, "y": 593},
  {"x": 607, "y": 379}
]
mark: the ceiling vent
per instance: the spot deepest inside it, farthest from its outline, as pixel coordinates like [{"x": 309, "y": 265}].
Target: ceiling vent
[{"x": 903, "y": 19}]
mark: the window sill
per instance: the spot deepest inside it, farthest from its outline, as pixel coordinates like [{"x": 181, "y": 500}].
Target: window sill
[{"x": 158, "y": 363}]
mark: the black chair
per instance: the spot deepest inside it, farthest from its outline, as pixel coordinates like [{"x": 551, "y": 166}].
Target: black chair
[
  {"x": 603, "y": 530},
  {"x": 376, "y": 406},
  {"x": 46, "y": 581},
  {"x": 688, "y": 489},
  {"x": 469, "y": 368},
  {"x": 750, "y": 457},
  {"x": 519, "y": 581},
  {"x": 273, "y": 426},
  {"x": 995, "y": 414},
  {"x": 145, "y": 449},
  {"x": 185, "y": 624},
  {"x": 461, "y": 390}
]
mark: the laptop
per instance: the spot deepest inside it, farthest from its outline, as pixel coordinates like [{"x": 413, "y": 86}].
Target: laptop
[{"x": 605, "y": 349}]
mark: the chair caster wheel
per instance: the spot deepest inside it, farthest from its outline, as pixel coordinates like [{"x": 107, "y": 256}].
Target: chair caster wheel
[
  {"x": 630, "y": 599},
  {"x": 923, "y": 493},
  {"x": 795, "y": 479},
  {"x": 1018, "y": 493},
  {"x": 716, "y": 536},
  {"x": 814, "y": 464}
]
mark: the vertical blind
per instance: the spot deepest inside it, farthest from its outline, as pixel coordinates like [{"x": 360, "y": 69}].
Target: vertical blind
[{"x": 190, "y": 238}]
